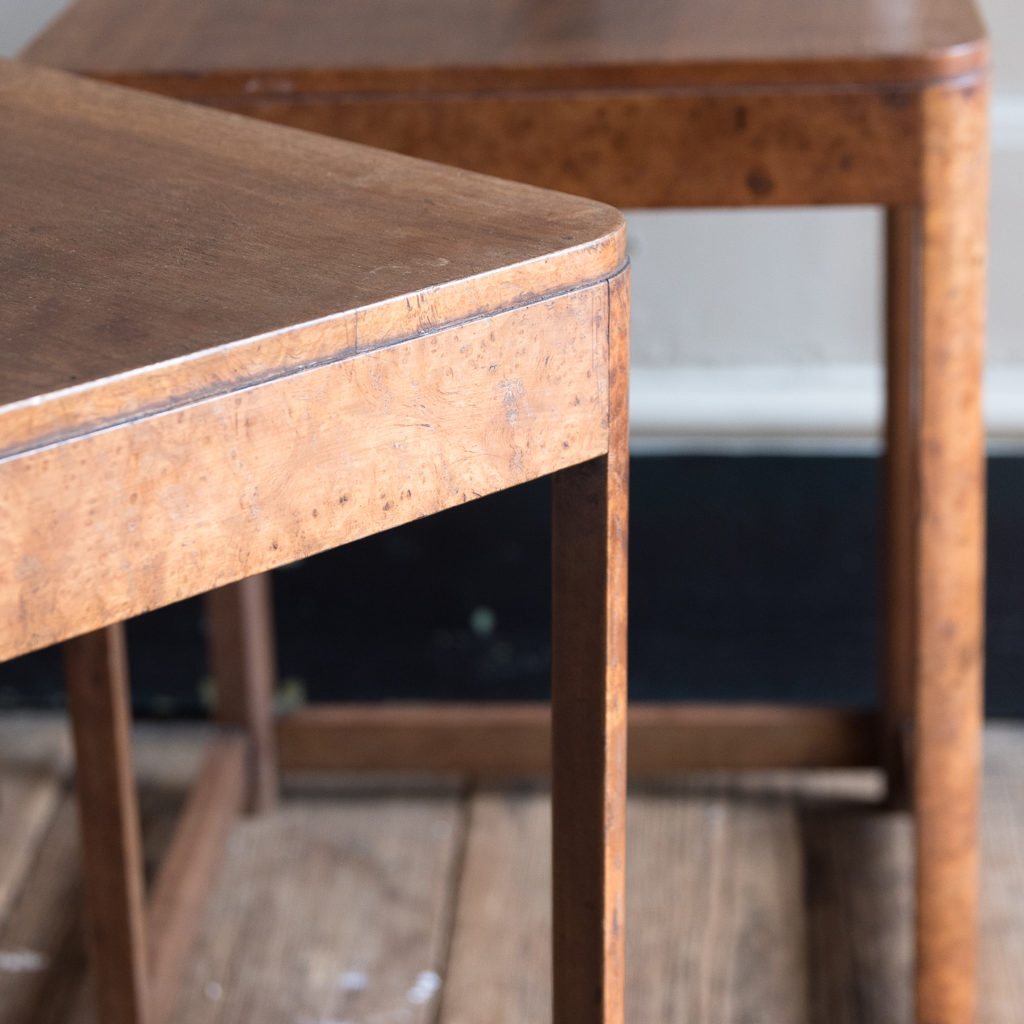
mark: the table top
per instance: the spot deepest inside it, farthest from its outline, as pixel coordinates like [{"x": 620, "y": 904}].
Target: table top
[
  {"x": 152, "y": 250},
  {"x": 295, "y": 45}
]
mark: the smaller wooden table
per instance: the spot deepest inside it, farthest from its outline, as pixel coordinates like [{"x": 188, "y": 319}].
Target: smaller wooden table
[{"x": 225, "y": 346}]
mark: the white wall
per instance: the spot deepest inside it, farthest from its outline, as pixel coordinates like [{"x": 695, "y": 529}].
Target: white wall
[
  {"x": 21, "y": 20},
  {"x": 762, "y": 329}
]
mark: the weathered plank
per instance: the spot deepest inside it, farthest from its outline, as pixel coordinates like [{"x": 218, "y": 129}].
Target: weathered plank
[
  {"x": 329, "y": 909},
  {"x": 1000, "y": 981},
  {"x": 499, "y": 969},
  {"x": 718, "y": 886},
  {"x": 714, "y": 912},
  {"x": 43, "y": 975},
  {"x": 179, "y": 894},
  {"x": 860, "y": 914},
  {"x": 35, "y": 755}
]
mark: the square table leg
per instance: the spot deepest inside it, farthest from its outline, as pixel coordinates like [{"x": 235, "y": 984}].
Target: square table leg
[
  {"x": 96, "y": 672},
  {"x": 588, "y": 699},
  {"x": 949, "y": 228}
]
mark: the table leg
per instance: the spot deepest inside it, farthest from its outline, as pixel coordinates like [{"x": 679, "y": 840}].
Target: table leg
[
  {"x": 589, "y": 530},
  {"x": 900, "y": 496},
  {"x": 96, "y": 671},
  {"x": 950, "y": 558},
  {"x": 242, "y": 660}
]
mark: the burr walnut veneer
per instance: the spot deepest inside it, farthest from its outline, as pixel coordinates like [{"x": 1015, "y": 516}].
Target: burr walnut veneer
[
  {"x": 225, "y": 346},
  {"x": 657, "y": 103}
]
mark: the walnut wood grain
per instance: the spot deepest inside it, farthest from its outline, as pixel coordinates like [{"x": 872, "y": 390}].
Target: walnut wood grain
[
  {"x": 177, "y": 223},
  {"x": 96, "y": 670},
  {"x": 950, "y": 552},
  {"x": 300, "y": 464},
  {"x": 590, "y": 509}
]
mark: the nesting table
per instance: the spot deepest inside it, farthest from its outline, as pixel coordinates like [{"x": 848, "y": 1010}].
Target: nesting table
[
  {"x": 225, "y": 346},
  {"x": 686, "y": 103}
]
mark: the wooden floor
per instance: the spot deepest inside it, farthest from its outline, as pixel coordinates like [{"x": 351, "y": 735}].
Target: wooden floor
[{"x": 761, "y": 900}]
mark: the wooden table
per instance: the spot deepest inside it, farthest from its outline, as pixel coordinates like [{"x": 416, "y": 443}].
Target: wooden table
[
  {"x": 686, "y": 103},
  {"x": 225, "y": 346}
]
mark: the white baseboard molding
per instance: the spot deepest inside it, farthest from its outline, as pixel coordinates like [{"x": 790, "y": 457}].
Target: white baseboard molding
[{"x": 783, "y": 409}]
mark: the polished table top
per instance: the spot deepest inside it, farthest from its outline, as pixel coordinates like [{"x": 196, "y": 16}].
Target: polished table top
[
  {"x": 367, "y": 44},
  {"x": 152, "y": 250}
]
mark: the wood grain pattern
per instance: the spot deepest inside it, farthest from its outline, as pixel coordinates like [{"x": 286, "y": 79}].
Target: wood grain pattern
[
  {"x": 280, "y": 471},
  {"x": 35, "y": 763},
  {"x": 714, "y": 899},
  {"x": 45, "y": 924},
  {"x": 175, "y": 907},
  {"x": 515, "y": 739},
  {"x": 859, "y": 877},
  {"x": 386, "y": 45},
  {"x": 331, "y": 908},
  {"x": 720, "y": 884},
  {"x": 499, "y": 963},
  {"x": 590, "y": 523},
  {"x": 1001, "y": 912},
  {"x": 96, "y": 671},
  {"x": 295, "y": 250},
  {"x": 947, "y": 739},
  {"x": 856, "y": 863}
]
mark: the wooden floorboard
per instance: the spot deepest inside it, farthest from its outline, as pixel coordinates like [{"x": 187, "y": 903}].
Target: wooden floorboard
[
  {"x": 1001, "y": 963},
  {"x": 757, "y": 899},
  {"x": 35, "y": 757},
  {"x": 333, "y": 908},
  {"x": 499, "y": 970}
]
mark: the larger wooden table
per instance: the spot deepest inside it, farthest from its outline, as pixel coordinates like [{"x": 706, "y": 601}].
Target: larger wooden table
[
  {"x": 225, "y": 346},
  {"x": 659, "y": 103}
]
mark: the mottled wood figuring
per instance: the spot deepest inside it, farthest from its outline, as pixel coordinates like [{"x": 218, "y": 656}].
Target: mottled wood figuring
[
  {"x": 228, "y": 346},
  {"x": 690, "y": 103}
]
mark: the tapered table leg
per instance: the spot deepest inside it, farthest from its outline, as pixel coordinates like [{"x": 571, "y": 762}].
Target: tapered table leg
[
  {"x": 242, "y": 659},
  {"x": 97, "y": 684},
  {"x": 950, "y": 470},
  {"x": 589, "y": 713}
]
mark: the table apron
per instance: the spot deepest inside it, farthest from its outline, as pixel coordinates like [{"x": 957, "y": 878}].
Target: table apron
[
  {"x": 108, "y": 525},
  {"x": 644, "y": 148}
]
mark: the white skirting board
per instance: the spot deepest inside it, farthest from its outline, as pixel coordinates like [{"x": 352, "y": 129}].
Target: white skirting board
[{"x": 780, "y": 409}]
